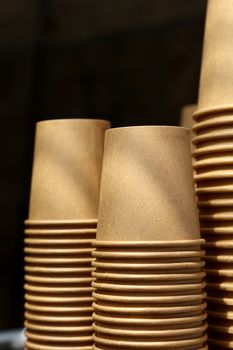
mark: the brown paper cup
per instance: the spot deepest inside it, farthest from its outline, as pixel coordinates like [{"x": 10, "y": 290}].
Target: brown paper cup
[
  {"x": 215, "y": 89},
  {"x": 54, "y": 338},
  {"x": 133, "y": 176},
  {"x": 67, "y": 169}
]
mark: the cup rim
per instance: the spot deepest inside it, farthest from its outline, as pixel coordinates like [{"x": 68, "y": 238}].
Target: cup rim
[
  {"x": 41, "y": 223},
  {"x": 189, "y": 243}
]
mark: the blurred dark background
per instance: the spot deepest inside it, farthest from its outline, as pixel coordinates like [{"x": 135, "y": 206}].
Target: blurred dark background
[{"x": 132, "y": 61}]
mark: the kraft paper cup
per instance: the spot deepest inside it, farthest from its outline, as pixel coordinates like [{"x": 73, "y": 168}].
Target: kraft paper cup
[
  {"x": 58, "y": 261},
  {"x": 134, "y": 153},
  {"x": 215, "y": 90},
  {"x": 67, "y": 169}
]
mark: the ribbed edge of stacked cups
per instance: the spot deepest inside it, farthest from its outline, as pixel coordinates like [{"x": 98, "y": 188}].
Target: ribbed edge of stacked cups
[
  {"x": 61, "y": 226},
  {"x": 214, "y": 168},
  {"x": 149, "y": 280}
]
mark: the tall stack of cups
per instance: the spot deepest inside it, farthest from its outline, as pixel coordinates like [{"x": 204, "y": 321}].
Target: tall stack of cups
[
  {"x": 214, "y": 168},
  {"x": 61, "y": 226},
  {"x": 149, "y": 280}
]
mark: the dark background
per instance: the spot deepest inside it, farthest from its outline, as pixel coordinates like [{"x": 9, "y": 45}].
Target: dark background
[{"x": 130, "y": 61}]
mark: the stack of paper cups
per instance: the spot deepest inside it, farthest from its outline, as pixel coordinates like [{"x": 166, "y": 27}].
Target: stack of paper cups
[
  {"x": 61, "y": 226},
  {"x": 149, "y": 280},
  {"x": 214, "y": 168}
]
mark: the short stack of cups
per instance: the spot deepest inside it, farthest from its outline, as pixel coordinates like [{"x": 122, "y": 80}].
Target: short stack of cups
[
  {"x": 214, "y": 169},
  {"x": 149, "y": 279},
  {"x": 59, "y": 232}
]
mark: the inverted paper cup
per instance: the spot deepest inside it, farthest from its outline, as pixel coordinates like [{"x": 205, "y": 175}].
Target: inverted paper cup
[
  {"x": 215, "y": 89},
  {"x": 134, "y": 153},
  {"x": 57, "y": 242},
  {"x": 120, "y": 343},
  {"x": 67, "y": 169}
]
